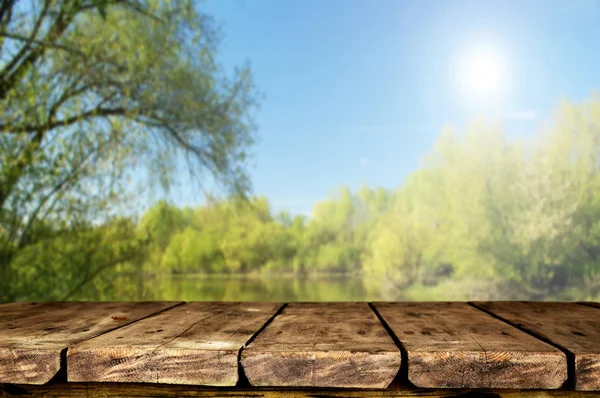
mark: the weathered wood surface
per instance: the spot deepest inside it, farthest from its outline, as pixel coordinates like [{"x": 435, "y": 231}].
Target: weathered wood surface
[
  {"x": 33, "y": 335},
  {"x": 573, "y": 327},
  {"x": 453, "y": 345},
  {"x": 195, "y": 343},
  {"x": 318, "y": 345},
  {"x": 103, "y": 390},
  {"x": 323, "y": 345},
  {"x": 590, "y": 303}
]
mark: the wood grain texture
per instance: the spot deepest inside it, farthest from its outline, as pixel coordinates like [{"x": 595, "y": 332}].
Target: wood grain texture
[
  {"x": 573, "y": 327},
  {"x": 453, "y": 345},
  {"x": 590, "y": 303},
  {"x": 33, "y": 335},
  {"x": 195, "y": 343},
  {"x": 103, "y": 390},
  {"x": 323, "y": 345}
]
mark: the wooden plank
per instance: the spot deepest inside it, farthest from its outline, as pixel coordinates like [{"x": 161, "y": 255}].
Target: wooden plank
[
  {"x": 32, "y": 335},
  {"x": 10, "y": 311},
  {"x": 323, "y": 345},
  {"x": 573, "y": 327},
  {"x": 590, "y": 303},
  {"x": 196, "y": 343},
  {"x": 103, "y": 390},
  {"x": 453, "y": 345}
]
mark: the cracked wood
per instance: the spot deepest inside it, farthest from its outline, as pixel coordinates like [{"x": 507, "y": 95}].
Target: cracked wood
[
  {"x": 453, "y": 345},
  {"x": 33, "y": 335},
  {"x": 573, "y": 327},
  {"x": 323, "y": 345},
  {"x": 195, "y": 343}
]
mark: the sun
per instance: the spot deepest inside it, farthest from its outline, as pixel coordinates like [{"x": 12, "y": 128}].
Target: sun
[{"x": 483, "y": 73}]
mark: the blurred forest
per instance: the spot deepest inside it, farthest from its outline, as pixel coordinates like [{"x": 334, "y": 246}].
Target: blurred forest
[
  {"x": 92, "y": 93},
  {"x": 483, "y": 215}
]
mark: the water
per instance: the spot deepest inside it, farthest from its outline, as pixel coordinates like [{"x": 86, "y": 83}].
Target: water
[
  {"x": 271, "y": 288},
  {"x": 307, "y": 288}
]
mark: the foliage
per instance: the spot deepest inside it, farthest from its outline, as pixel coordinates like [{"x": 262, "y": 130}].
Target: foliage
[
  {"x": 92, "y": 93},
  {"x": 483, "y": 217},
  {"x": 95, "y": 93}
]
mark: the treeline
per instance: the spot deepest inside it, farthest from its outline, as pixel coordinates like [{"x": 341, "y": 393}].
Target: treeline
[
  {"x": 513, "y": 219},
  {"x": 247, "y": 236},
  {"x": 95, "y": 93},
  {"x": 484, "y": 216}
]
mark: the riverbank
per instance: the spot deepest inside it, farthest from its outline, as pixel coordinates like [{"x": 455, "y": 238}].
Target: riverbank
[{"x": 323, "y": 287}]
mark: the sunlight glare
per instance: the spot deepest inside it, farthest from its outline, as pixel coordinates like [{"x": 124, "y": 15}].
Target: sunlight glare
[{"x": 483, "y": 73}]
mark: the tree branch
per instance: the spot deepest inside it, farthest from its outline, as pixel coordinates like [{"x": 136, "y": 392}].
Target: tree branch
[
  {"x": 5, "y": 18},
  {"x": 10, "y": 77},
  {"x": 6, "y": 9},
  {"x": 40, "y": 43},
  {"x": 28, "y": 41},
  {"x": 51, "y": 125},
  {"x": 61, "y": 184}
]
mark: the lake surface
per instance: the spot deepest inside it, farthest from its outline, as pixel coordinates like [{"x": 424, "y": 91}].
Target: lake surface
[
  {"x": 308, "y": 288},
  {"x": 261, "y": 288}
]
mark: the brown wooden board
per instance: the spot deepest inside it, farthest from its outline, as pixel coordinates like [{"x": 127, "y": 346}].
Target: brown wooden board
[
  {"x": 104, "y": 390},
  {"x": 323, "y": 345},
  {"x": 32, "y": 335},
  {"x": 590, "y": 303},
  {"x": 453, "y": 345},
  {"x": 195, "y": 343},
  {"x": 573, "y": 327}
]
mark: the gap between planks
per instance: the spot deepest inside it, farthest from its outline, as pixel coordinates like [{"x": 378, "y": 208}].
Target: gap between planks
[
  {"x": 453, "y": 345},
  {"x": 323, "y": 345},
  {"x": 62, "y": 376},
  {"x": 242, "y": 378},
  {"x": 197, "y": 343},
  {"x": 570, "y": 382},
  {"x": 403, "y": 368},
  {"x": 35, "y": 335},
  {"x": 569, "y": 326}
]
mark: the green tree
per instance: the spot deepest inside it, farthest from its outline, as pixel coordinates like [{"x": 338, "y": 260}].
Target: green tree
[
  {"x": 544, "y": 238},
  {"x": 87, "y": 101}
]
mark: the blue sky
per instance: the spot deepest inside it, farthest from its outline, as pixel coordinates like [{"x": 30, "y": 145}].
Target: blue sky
[{"x": 356, "y": 91}]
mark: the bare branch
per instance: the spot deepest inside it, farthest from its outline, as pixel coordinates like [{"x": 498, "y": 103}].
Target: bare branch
[
  {"x": 40, "y": 43},
  {"x": 11, "y": 75},
  {"x": 28, "y": 42},
  {"x": 59, "y": 186},
  {"x": 6, "y": 7},
  {"x": 51, "y": 125},
  {"x": 6, "y": 13},
  {"x": 89, "y": 277}
]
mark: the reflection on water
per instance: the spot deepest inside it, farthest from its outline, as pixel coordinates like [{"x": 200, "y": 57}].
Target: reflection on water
[
  {"x": 310, "y": 288},
  {"x": 243, "y": 288}
]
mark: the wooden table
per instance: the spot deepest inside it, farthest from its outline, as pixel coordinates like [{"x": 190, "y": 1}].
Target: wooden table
[{"x": 436, "y": 349}]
